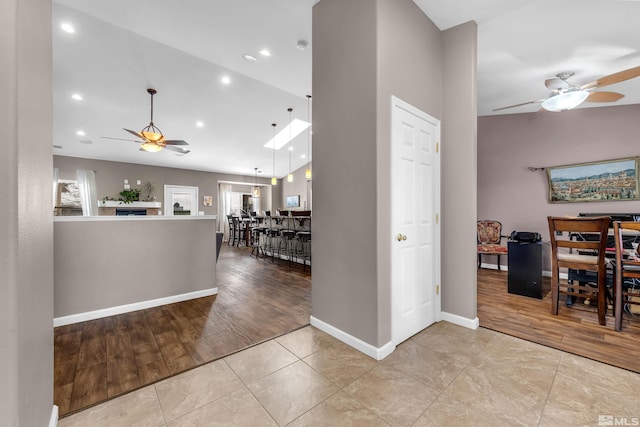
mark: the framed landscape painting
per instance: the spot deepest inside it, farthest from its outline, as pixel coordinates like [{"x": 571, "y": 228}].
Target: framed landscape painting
[{"x": 605, "y": 181}]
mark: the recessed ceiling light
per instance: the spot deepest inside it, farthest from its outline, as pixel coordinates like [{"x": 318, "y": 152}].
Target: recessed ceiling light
[
  {"x": 199, "y": 124},
  {"x": 249, "y": 57},
  {"x": 80, "y": 133},
  {"x": 291, "y": 148},
  {"x": 225, "y": 79},
  {"x": 77, "y": 97},
  {"x": 303, "y": 156},
  {"x": 67, "y": 28},
  {"x": 265, "y": 52}
]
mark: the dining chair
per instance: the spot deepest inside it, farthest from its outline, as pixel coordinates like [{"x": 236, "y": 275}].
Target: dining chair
[
  {"x": 232, "y": 231},
  {"x": 626, "y": 291},
  {"x": 583, "y": 248}
]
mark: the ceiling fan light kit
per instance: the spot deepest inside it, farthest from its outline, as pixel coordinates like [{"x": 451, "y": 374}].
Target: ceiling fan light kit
[
  {"x": 151, "y": 147},
  {"x": 565, "y": 100}
]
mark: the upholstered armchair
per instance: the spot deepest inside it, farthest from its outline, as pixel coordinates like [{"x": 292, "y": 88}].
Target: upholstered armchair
[{"x": 489, "y": 237}]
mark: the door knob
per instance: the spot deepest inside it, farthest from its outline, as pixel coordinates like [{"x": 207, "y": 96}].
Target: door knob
[
  {"x": 404, "y": 237},
  {"x": 400, "y": 237}
]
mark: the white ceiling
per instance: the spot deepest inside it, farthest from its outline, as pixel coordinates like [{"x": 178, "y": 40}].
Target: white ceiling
[{"x": 182, "y": 49}]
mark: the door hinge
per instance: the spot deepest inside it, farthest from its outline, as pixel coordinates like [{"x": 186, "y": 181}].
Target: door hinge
[
  {"x": 437, "y": 218},
  {"x": 437, "y": 146},
  {"x": 437, "y": 289}
]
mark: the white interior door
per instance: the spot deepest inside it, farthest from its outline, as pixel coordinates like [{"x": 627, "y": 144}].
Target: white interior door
[
  {"x": 415, "y": 197},
  {"x": 180, "y": 200}
]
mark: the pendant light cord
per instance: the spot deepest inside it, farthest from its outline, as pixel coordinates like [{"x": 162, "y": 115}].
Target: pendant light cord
[
  {"x": 273, "y": 140},
  {"x": 309, "y": 132},
  {"x": 290, "y": 142}
]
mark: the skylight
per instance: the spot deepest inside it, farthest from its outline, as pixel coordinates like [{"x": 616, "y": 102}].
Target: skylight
[{"x": 282, "y": 137}]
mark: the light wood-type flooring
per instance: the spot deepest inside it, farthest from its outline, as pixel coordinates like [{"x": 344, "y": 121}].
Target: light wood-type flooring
[
  {"x": 574, "y": 330},
  {"x": 257, "y": 300}
]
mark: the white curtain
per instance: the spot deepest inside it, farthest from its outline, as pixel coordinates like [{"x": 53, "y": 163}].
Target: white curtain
[
  {"x": 224, "y": 208},
  {"x": 88, "y": 195},
  {"x": 56, "y": 172},
  {"x": 256, "y": 200}
]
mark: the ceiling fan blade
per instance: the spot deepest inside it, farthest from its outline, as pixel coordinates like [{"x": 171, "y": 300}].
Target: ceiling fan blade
[
  {"x": 556, "y": 83},
  {"x": 519, "y": 105},
  {"x": 177, "y": 149},
  {"x": 604, "y": 97},
  {"x": 121, "y": 139},
  {"x": 613, "y": 78},
  {"x": 138, "y": 134},
  {"x": 175, "y": 142}
]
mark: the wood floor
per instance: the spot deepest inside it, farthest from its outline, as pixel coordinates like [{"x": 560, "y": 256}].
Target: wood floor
[
  {"x": 574, "y": 330},
  {"x": 100, "y": 359}
]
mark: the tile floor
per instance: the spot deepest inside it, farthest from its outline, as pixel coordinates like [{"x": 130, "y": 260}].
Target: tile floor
[{"x": 444, "y": 376}]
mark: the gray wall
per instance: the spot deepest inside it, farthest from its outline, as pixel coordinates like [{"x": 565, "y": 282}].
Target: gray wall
[
  {"x": 110, "y": 178},
  {"x": 509, "y": 144},
  {"x": 458, "y": 170},
  {"x": 409, "y": 67},
  {"x": 102, "y": 264},
  {"x": 26, "y": 233},
  {"x": 297, "y": 187},
  {"x": 364, "y": 52},
  {"x": 344, "y": 291}
]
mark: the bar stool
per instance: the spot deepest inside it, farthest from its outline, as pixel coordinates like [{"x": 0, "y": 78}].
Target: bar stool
[
  {"x": 272, "y": 243},
  {"x": 257, "y": 241},
  {"x": 303, "y": 251},
  {"x": 287, "y": 244}
]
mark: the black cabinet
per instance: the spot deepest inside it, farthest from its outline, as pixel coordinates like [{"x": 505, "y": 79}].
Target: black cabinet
[{"x": 525, "y": 269}]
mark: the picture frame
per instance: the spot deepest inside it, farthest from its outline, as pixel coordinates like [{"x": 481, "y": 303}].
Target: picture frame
[
  {"x": 603, "y": 181},
  {"x": 293, "y": 201},
  {"x": 207, "y": 201}
]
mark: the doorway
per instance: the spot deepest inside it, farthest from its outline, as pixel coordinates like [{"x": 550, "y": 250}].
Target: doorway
[
  {"x": 180, "y": 200},
  {"x": 415, "y": 206}
]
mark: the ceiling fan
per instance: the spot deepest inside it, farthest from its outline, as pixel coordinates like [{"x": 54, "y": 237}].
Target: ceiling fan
[
  {"x": 565, "y": 95},
  {"x": 152, "y": 138}
]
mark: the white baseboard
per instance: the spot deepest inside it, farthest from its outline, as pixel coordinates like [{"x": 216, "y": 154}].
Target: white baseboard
[
  {"x": 112, "y": 311},
  {"x": 53, "y": 421},
  {"x": 459, "y": 320},
  {"x": 377, "y": 353},
  {"x": 545, "y": 273},
  {"x": 494, "y": 266}
]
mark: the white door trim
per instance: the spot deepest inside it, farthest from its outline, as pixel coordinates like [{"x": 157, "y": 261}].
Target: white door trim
[{"x": 168, "y": 191}]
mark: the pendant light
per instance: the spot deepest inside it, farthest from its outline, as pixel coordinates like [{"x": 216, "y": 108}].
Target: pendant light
[
  {"x": 274, "y": 180},
  {"x": 307, "y": 173},
  {"x": 290, "y": 176},
  {"x": 256, "y": 189}
]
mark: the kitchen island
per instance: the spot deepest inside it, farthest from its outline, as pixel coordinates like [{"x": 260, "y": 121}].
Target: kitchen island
[{"x": 107, "y": 265}]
